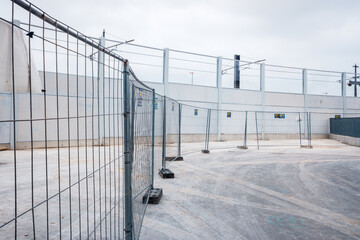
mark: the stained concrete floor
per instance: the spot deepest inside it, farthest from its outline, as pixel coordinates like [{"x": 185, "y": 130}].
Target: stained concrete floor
[{"x": 271, "y": 193}]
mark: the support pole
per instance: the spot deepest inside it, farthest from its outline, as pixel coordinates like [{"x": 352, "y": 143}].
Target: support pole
[
  {"x": 207, "y": 132},
  {"x": 101, "y": 88},
  {"x": 244, "y": 146},
  {"x": 262, "y": 89},
  {"x": 164, "y": 137},
  {"x": 343, "y": 92},
  {"x": 179, "y": 147},
  {"x": 219, "y": 87},
  {"x": 166, "y": 71},
  {"x": 300, "y": 128},
  {"x": 164, "y": 172},
  {"x": 257, "y": 131},
  {"x": 128, "y": 152},
  {"x": 153, "y": 141}
]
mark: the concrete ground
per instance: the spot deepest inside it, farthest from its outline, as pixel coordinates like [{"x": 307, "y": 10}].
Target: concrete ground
[{"x": 271, "y": 193}]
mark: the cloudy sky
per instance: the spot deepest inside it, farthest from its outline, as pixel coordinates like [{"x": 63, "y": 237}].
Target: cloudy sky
[{"x": 311, "y": 34}]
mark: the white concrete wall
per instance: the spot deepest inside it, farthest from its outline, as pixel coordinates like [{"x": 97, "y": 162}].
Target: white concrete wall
[{"x": 235, "y": 101}]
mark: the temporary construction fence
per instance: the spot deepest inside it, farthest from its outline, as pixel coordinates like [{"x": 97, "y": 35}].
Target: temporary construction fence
[
  {"x": 90, "y": 131},
  {"x": 97, "y": 135}
]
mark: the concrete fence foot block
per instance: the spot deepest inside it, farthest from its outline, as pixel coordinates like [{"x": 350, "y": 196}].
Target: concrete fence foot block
[
  {"x": 166, "y": 173},
  {"x": 242, "y": 147},
  {"x": 155, "y": 195}
]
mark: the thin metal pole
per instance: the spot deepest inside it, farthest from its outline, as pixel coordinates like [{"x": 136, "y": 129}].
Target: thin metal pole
[
  {"x": 14, "y": 118},
  {"x": 69, "y": 128},
  {"x": 257, "y": 132},
  {"x": 245, "y": 132},
  {"x": 153, "y": 141},
  {"x": 300, "y": 128},
  {"x": 58, "y": 130},
  {"x": 208, "y": 134},
  {"x": 179, "y": 144},
  {"x": 128, "y": 228},
  {"x": 206, "y": 130},
  {"x": 45, "y": 135},
  {"x": 164, "y": 137},
  {"x": 309, "y": 129},
  {"x": 355, "y": 77},
  {"x": 31, "y": 134}
]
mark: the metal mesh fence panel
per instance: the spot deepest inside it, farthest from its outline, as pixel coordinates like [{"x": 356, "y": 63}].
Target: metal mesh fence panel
[
  {"x": 193, "y": 122},
  {"x": 282, "y": 129},
  {"x": 68, "y": 181},
  {"x": 172, "y": 129},
  {"x": 141, "y": 112},
  {"x": 159, "y": 123}
]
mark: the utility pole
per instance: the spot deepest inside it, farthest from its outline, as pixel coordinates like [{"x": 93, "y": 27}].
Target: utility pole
[{"x": 355, "y": 82}]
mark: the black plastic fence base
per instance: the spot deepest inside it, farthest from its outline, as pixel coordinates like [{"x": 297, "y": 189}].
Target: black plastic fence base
[
  {"x": 174, "y": 158},
  {"x": 155, "y": 195},
  {"x": 306, "y": 146},
  {"x": 205, "y": 151},
  {"x": 242, "y": 147},
  {"x": 166, "y": 173}
]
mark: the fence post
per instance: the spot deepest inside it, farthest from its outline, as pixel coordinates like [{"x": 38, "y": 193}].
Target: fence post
[
  {"x": 128, "y": 148},
  {"x": 257, "y": 131},
  {"x": 101, "y": 88},
  {"x": 179, "y": 157},
  {"x": 300, "y": 128},
  {"x": 244, "y": 146},
  {"x": 206, "y": 149},
  {"x": 164, "y": 172},
  {"x": 164, "y": 137},
  {"x": 153, "y": 141},
  {"x": 309, "y": 129},
  {"x": 219, "y": 88},
  {"x": 166, "y": 71},
  {"x": 343, "y": 92},
  {"x": 262, "y": 89}
]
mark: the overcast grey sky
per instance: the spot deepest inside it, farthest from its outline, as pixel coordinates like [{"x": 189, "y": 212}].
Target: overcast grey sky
[{"x": 314, "y": 34}]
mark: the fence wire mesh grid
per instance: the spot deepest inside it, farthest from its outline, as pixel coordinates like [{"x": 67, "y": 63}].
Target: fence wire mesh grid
[{"x": 83, "y": 153}]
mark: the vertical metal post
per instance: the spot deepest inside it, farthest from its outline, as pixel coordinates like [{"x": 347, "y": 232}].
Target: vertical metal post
[
  {"x": 166, "y": 71},
  {"x": 245, "y": 132},
  {"x": 307, "y": 129},
  {"x": 101, "y": 87},
  {"x": 355, "y": 82},
  {"x": 208, "y": 133},
  {"x": 153, "y": 141},
  {"x": 305, "y": 89},
  {"x": 309, "y": 126},
  {"x": 179, "y": 147},
  {"x": 206, "y": 130},
  {"x": 164, "y": 137},
  {"x": 257, "y": 132},
  {"x": 219, "y": 87},
  {"x": 128, "y": 148},
  {"x": 300, "y": 128},
  {"x": 262, "y": 89},
  {"x": 343, "y": 92}
]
